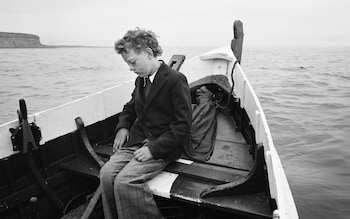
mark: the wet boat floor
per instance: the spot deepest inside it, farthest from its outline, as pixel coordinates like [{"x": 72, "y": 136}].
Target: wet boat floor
[{"x": 231, "y": 148}]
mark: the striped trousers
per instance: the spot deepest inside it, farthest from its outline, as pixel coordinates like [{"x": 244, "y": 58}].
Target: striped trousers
[{"x": 125, "y": 192}]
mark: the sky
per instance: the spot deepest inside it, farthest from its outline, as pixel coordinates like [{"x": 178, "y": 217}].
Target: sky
[{"x": 181, "y": 22}]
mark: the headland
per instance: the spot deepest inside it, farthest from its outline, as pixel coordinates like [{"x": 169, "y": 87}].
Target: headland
[{"x": 19, "y": 40}]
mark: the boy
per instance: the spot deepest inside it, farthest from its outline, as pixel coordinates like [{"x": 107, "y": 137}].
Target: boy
[{"x": 153, "y": 128}]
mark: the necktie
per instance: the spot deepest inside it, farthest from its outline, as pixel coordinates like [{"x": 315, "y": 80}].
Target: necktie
[{"x": 146, "y": 86}]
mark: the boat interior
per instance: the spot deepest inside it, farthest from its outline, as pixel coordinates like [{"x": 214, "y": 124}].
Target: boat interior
[{"x": 230, "y": 183}]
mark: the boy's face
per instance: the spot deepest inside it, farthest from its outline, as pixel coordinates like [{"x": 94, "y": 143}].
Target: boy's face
[{"x": 140, "y": 63}]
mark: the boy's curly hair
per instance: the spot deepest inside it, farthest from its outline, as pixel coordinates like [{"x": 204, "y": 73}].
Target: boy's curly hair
[{"x": 138, "y": 40}]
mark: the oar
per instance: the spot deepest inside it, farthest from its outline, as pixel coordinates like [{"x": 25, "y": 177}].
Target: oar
[
  {"x": 28, "y": 140},
  {"x": 90, "y": 208}
]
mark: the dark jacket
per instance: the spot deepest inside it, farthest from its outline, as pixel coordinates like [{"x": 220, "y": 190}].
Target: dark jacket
[{"x": 165, "y": 116}]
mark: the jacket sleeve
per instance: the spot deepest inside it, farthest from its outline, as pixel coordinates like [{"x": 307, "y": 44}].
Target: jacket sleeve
[{"x": 180, "y": 126}]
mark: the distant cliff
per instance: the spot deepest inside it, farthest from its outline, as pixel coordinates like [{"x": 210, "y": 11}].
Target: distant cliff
[{"x": 19, "y": 40}]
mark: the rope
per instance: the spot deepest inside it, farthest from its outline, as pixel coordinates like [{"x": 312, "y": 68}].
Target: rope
[{"x": 233, "y": 83}]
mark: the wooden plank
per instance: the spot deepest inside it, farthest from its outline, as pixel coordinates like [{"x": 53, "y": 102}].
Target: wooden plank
[
  {"x": 196, "y": 170},
  {"x": 224, "y": 175},
  {"x": 232, "y": 155},
  {"x": 104, "y": 150},
  {"x": 231, "y": 148},
  {"x": 227, "y": 129},
  {"x": 83, "y": 166},
  {"x": 162, "y": 183},
  {"x": 252, "y": 205}
]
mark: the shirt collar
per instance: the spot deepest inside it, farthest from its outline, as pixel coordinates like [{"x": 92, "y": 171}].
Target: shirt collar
[{"x": 152, "y": 76}]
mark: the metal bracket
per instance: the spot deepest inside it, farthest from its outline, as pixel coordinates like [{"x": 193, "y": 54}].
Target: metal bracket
[
  {"x": 17, "y": 138},
  {"x": 26, "y": 136}
]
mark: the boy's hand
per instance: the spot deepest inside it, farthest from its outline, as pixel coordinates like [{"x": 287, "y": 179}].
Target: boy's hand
[
  {"x": 143, "y": 154},
  {"x": 120, "y": 138}
]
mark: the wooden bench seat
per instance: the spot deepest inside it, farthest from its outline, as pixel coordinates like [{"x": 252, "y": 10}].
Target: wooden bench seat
[
  {"x": 83, "y": 166},
  {"x": 229, "y": 162}
]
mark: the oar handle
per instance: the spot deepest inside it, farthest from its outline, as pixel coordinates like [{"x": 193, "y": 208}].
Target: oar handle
[{"x": 23, "y": 108}]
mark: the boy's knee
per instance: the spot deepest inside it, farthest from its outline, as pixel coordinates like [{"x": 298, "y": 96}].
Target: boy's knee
[{"x": 105, "y": 172}]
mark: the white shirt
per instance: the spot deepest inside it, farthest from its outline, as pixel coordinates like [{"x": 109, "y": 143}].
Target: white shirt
[{"x": 151, "y": 77}]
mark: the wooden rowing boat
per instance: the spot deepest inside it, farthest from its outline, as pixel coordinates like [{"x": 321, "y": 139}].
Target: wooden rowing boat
[{"x": 50, "y": 160}]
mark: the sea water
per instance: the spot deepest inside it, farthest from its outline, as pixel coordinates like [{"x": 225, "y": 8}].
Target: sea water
[{"x": 305, "y": 94}]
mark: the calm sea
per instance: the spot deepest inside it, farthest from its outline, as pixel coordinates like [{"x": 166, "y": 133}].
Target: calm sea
[{"x": 305, "y": 93}]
